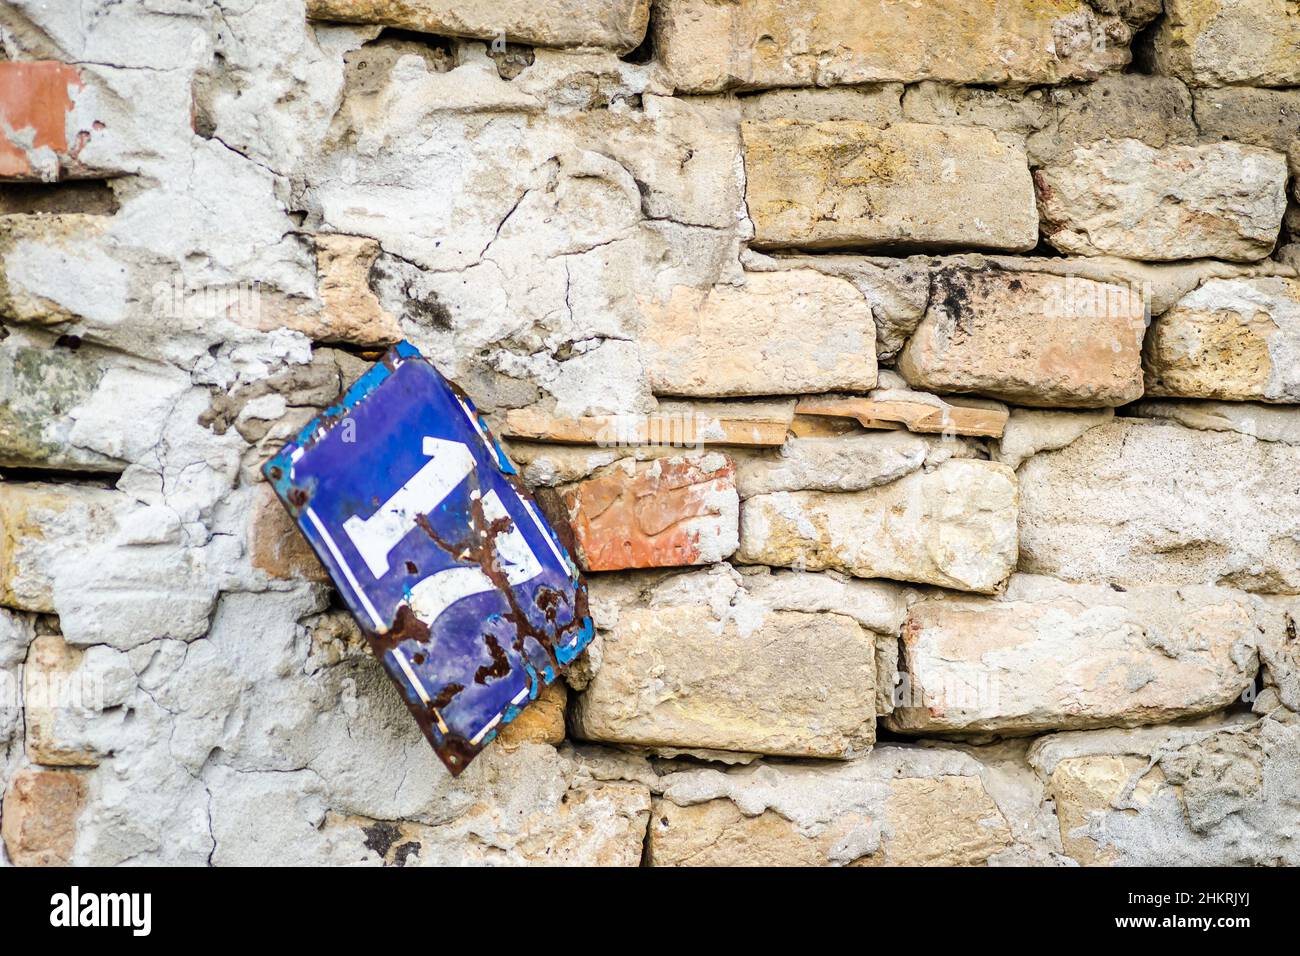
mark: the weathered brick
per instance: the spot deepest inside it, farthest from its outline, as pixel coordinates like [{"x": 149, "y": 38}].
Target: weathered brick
[
  {"x": 1156, "y": 110},
  {"x": 1280, "y": 423},
  {"x": 346, "y": 309},
  {"x": 1220, "y": 790},
  {"x": 1052, "y": 656},
  {"x": 709, "y": 46},
  {"x": 674, "y": 424},
  {"x": 47, "y": 679},
  {"x": 72, "y": 701},
  {"x": 1230, "y": 42},
  {"x": 351, "y": 312},
  {"x": 275, "y": 545},
  {"x": 878, "y": 810},
  {"x": 671, "y": 511},
  {"x": 71, "y": 406},
  {"x": 41, "y": 809},
  {"x": 686, "y": 673},
  {"x": 51, "y": 272},
  {"x": 1135, "y": 502},
  {"x": 594, "y": 824},
  {"x": 781, "y": 333},
  {"x": 1029, "y": 338},
  {"x": 954, "y": 526},
  {"x": 1085, "y": 789},
  {"x": 835, "y": 184},
  {"x": 619, "y": 24},
  {"x": 36, "y": 99},
  {"x": 879, "y": 104},
  {"x": 1268, "y": 118},
  {"x": 541, "y": 722},
  {"x": 893, "y": 408},
  {"x": 896, "y": 289},
  {"x": 40, "y": 383},
  {"x": 1234, "y": 339},
  {"x": 38, "y": 523},
  {"x": 1031, "y": 430},
  {"x": 851, "y": 462},
  {"x": 1124, "y": 198}
]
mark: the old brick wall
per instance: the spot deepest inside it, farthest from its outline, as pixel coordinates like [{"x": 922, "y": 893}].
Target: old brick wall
[{"x": 921, "y": 383}]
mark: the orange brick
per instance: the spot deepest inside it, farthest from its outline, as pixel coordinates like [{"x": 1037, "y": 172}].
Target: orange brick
[
  {"x": 35, "y": 101},
  {"x": 663, "y": 513}
]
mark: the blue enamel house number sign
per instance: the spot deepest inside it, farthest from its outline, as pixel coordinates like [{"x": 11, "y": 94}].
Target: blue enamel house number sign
[{"x": 464, "y": 591}]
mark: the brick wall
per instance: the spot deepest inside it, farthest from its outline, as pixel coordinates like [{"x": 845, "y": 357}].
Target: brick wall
[{"x": 920, "y": 388}]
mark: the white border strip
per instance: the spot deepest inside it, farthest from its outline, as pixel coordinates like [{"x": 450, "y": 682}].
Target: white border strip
[
  {"x": 347, "y": 571},
  {"x": 419, "y": 687},
  {"x": 473, "y": 420},
  {"x": 519, "y": 698},
  {"x": 542, "y": 530}
]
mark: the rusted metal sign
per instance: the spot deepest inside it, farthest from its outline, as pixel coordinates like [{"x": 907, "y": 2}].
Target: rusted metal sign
[{"x": 465, "y": 592}]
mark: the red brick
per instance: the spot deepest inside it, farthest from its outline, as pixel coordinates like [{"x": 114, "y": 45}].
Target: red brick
[
  {"x": 663, "y": 513},
  {"x": 35, "y": 100}
]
